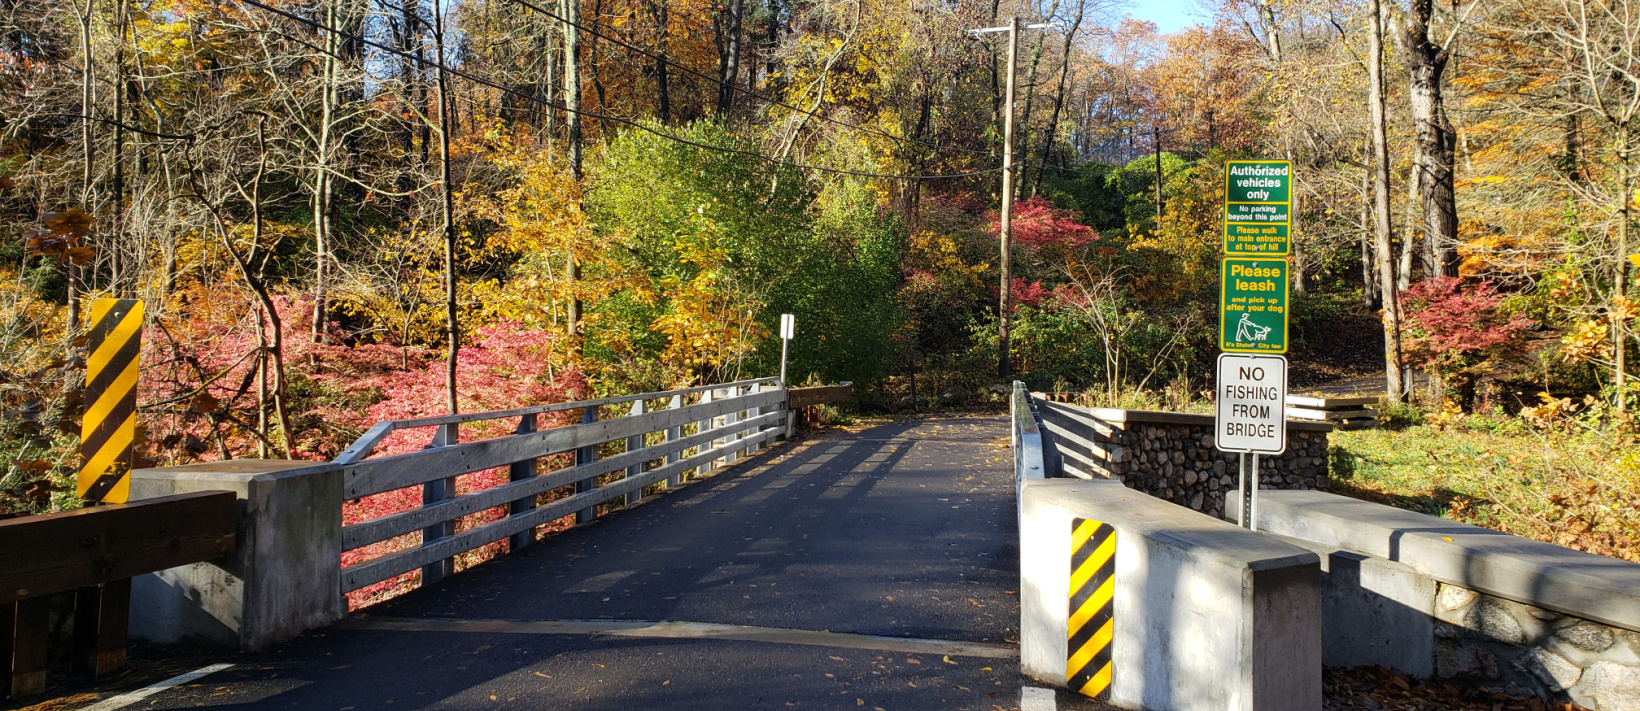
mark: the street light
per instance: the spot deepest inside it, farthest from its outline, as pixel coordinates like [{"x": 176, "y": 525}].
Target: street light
[{"x": 1006, "y": 233}]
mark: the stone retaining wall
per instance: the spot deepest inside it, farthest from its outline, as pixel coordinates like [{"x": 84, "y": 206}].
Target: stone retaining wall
[
  {"x": 1506, "y": 646},
  {"x": 1171, "y": 456},
  {"x": 1446, "y": 600}
]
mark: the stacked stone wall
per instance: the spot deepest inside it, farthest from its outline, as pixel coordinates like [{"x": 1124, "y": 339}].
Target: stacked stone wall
[
  {"x": 1505, "y": 646},
  {"x": 1178, "y": 463}
]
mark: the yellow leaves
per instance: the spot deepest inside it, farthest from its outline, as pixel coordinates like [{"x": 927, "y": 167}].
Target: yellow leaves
[
  {"x": 1635, "y": 260},
  {"x": 1552, "y": 410},
  {"x": 712, "y": 322},
  {"x": 1624, "y": 309},
  {"x": 1450, "y": 415},
  {"x": 1586, "y": 341}
]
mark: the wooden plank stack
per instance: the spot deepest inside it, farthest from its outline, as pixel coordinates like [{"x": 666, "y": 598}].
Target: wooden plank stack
[{"x": 1347, "y": 413}]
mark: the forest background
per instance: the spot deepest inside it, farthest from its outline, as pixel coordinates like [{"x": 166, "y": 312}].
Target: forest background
[{"x": 345, "y": 211}]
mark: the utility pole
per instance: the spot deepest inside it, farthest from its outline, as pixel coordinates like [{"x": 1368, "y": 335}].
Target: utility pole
[{"x": 1005, "y": 301}]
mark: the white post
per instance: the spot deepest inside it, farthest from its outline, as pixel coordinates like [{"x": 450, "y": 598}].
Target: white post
[
  {"x": 673, "y": 434},
  {"x": 633, "y": 444},
  {"x": 788, "y": 330}
]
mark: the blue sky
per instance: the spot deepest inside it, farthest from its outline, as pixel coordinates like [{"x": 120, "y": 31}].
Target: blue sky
[{"x": 1169, "y": 15}]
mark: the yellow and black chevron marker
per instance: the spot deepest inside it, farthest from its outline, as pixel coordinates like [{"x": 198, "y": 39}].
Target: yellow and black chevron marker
[
  {"x": 1091, "y": 623},
  {"x": 110, "y": 423}
]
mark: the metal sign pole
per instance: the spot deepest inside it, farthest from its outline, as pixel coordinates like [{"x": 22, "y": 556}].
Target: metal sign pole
[
  {"x": 1241, "y": 489},
  {"x": 788, "y": 329},
  {"x": 1252, "y": 516}
]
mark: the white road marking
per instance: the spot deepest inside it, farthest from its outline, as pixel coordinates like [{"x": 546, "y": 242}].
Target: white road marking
[
  {"x": 1035, "y": 698},
  {"x": 692, "y": 630},
  {"x": 131, "y": 697}
]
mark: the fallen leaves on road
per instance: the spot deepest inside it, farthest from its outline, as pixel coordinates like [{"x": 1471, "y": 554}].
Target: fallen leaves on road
[{"x": 1378, "y": 688}]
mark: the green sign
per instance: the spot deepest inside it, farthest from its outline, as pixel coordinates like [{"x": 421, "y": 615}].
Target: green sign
[
  {"x": 1253, "y": 305},
  {"x": 1257, "y": 207}
]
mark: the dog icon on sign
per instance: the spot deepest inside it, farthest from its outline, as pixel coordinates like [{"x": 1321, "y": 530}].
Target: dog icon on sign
[{"x": 1247, "y": 331}]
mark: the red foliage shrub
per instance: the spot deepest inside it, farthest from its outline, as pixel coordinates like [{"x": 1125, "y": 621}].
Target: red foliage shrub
[
  {"x": 1037, "y": 223},
  {"x": 1455, "y": 332}
]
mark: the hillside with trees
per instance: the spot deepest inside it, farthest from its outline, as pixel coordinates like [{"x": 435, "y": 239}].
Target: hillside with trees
[{"x": 344, "y": 211}]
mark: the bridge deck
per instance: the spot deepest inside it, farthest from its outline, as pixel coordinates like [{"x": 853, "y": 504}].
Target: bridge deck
[{"x": 902, "y": 531}]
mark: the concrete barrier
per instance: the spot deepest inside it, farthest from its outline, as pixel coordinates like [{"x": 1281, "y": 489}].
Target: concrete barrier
[
  {"x": 1438, "y": 598},
  {"x": 1203, "y": 614},
  {"x": 283, "y": 579},
  {"x": 1206, "y": 615}
]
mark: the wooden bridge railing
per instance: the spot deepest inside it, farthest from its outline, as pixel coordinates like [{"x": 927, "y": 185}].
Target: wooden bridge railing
[
  {"x": 621, "y": 445},
  {"x": 95, "y": 552}
]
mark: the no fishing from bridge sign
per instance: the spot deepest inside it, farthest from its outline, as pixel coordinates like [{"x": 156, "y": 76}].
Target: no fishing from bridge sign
[
  {"x": 1258, "y": 201},
  {"x": 1253, "y": 305},
  {"x": 1251, "y": 411}
]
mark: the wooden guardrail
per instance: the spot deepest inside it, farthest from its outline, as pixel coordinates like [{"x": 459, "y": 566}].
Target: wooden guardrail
[
  {"x": 95, "y": 552},
  {"x": 659, "y": 436},
  {"x": 802, "y": 400}
]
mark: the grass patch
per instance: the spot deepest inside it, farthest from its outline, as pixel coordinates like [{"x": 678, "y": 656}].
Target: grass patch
[{"x": 1576, "y": 487}]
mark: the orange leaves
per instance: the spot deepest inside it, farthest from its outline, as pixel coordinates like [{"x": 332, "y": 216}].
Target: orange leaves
[{"x": 65, "y": 231}]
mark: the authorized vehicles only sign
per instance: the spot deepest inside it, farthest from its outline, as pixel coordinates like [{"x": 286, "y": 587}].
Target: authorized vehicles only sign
[{"x": 1258, "y": 202}]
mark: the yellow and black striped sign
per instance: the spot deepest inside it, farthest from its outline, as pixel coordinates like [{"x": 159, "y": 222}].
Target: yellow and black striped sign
[
  {"x": 1091, "y": 623},
  {"x": 110, "y": 423}
]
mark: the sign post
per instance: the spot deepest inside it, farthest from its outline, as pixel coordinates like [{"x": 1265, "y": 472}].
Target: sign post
[
  {"x": 788, "y": 331},
  {"x": 1250, "y": 418},
  {"x": 113, "y": 345}
]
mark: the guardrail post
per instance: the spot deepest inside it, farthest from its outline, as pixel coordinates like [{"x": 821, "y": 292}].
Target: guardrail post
[
  {"x": 29, "y": 659},
  {"x": 586, "y": 455},
  {"x": 759, "y": 412},
  {"x": 734, "y": 436},
  {"x": 519, "y": 471},
  {"x": 633, "y": 444},
  {"x": 431, "y": 493},
  {"x": 703, "y": 426},
  {"x": 101, "y": 615},
  {"x": 673, "y": 434},
  {"x": 8, "y": 622}
]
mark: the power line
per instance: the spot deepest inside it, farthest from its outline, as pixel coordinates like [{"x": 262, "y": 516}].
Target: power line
[
  {"x": 736, "y": 87},
  {"x": 594, "y": 114}
]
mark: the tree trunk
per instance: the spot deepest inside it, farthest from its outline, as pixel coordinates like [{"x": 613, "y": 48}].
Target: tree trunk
[
  {"x": 1437, "y": 142},
  {"x": 1409, "y": 236},
  {"x": 663, "y": 100},
  {"x": 1030, "y": 90},
  {"x": 321, "y": 175},
  {"x": 1369, "y": 280},
  {"x": 452, "y": 324},
  {"x": 1381, "y": 216},
  {"x": 572, "y": 101},
  {"x": 729, "y": 55},
  {"x": 1625, "y": 197},
  {"x": 1058, "y": 97},
  {"x": 88, "y": 176}
]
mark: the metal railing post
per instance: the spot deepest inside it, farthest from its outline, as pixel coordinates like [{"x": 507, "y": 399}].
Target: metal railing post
[
  {"x": 586, "y": 455},
  {"x": 431, "y": 493},
  {"x": 633, "y": 444},
  {"x": 519, "y": 471}
]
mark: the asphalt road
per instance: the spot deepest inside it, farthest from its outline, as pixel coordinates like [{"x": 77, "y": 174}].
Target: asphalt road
[{"x": 899, "y": 539}]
